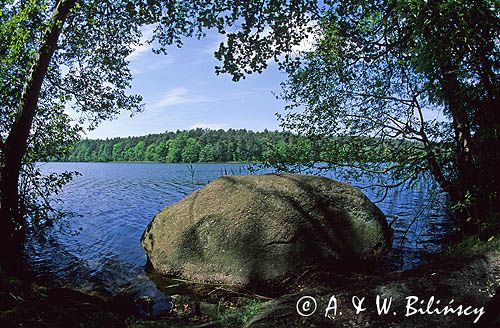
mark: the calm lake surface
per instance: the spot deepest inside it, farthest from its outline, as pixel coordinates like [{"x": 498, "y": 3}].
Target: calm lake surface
[{"x": 99, "y": 248}]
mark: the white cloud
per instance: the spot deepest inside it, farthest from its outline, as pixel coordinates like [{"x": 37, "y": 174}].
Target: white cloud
[
  {"x": 142, "y": 59},
  {"x": 307, "y": 44},
  {"x": 311, "y": 40},
  {"x": 139, "y": 50},
  {"x": 179, "y": 96},
  {"x": 143, "y": 46},
  {"x": 213, "y": 46},
  {"x": 150, "y": 63}
]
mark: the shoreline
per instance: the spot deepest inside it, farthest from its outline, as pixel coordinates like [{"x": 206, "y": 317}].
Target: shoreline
[
  {"x": 468, "y": 274},
  {"x": 152, "y": 162}
]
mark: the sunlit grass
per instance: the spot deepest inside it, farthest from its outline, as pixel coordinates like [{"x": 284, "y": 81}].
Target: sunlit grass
[{"x": 472, "y": 246}]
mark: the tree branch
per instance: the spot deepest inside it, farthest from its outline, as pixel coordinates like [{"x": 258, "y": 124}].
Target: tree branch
[{"x": 16, "y": 143}]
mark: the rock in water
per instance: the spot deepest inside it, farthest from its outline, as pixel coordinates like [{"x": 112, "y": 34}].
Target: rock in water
[{"x": 258, "y": 230}]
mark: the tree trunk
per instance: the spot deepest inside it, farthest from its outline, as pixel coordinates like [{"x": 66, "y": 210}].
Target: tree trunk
[
  {"x": 464, "y": 189},
  {"x": 12, "y": 224},
  {"x": 487, "y": 143},
  {"x": 11, "y": 227},
  {"x": 477, "y": 158}
]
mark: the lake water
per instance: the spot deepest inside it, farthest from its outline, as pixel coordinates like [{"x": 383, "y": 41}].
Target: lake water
[{"x": 99, "y": 249}]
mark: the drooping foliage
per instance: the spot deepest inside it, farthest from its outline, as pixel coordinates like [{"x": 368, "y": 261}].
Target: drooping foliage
[
  {"x": 87, "y": 74},
  {"x": 64, "y": 68},
  {"x": 420, "y": 71}
]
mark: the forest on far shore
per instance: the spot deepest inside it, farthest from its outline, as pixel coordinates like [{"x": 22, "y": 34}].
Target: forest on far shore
[
  {"x": 233, "y": 145},
  {"x": 197, "y": 145}
]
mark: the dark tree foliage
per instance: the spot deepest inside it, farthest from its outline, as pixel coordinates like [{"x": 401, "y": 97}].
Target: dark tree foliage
[
  {"x": 400, "y": 71},
  {"x": 71, "y": 54},
  {"x": 54, "y": 54}
]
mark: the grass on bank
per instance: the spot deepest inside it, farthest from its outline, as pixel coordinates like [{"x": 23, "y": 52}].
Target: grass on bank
[
  {"x": 235, "y": 316},
  {"x": 215, "y": 315},
  {"x": 473, "y": 246}
]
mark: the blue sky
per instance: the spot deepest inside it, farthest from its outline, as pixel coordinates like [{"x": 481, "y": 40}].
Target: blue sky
[{"x": 182, "y": 91}]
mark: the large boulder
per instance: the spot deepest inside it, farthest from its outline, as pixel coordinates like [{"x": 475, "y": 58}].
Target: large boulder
[{"x": 259, "y": 230}]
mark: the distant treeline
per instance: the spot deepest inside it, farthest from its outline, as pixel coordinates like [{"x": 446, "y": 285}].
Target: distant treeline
[
  {"x": 203, "y": 145},
  {"x": 198, "y": 145}
]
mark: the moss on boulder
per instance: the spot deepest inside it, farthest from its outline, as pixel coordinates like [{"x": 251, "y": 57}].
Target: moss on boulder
[{"x": 259, "y": 230}]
